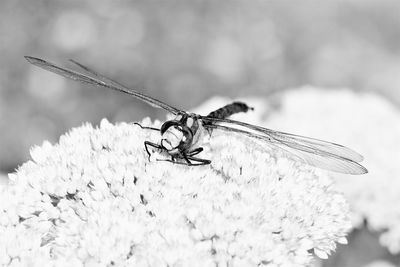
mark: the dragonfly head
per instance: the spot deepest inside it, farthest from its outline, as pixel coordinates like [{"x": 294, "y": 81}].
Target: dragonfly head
[{"x": 175, "y": 135}]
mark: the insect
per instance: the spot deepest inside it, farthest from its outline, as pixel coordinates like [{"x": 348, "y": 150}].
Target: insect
[{"x": 181, "y": 136}]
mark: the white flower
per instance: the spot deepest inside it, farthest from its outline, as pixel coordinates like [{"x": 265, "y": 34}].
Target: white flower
[
  {"x": 95, "y": 199},
  {"x": 367, "y": 123}
]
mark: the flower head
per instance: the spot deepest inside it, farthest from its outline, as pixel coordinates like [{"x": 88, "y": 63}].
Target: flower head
[
  {"x": 371, "y": 125},
  {"x": 95, "y": 198}
]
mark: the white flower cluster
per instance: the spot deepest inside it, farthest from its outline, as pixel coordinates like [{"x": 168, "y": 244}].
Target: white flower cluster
[
  {"x": 94, "y": 199},
  {"x": 367, "y": 123}
]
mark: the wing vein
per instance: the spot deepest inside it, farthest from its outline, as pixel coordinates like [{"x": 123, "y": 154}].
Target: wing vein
[
  {"x": 94, "y": 78},
  {"x": 314, "y": 152}
]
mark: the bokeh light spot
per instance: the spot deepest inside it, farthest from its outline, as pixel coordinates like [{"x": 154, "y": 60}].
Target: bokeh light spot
[
  {"x": 127, "y": 30},
  {"x": 225, "y": 59},
  {"x": 74, "y": 30},
  {"x": 45, "y": 85}
]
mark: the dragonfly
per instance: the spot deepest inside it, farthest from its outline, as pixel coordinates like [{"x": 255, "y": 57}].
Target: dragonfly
[{"x": 181, "y": 137}]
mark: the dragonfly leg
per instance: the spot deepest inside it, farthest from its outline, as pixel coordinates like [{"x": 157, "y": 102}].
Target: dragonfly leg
[
  {"x": 195, "y": 151},
  {"x": 199, "y": 160},
  {"x": 172, "y": 160},
  {"x": 145, "y": 127},
  {"x": 148, "y": 143},
  {"x": 189, "y": 160},
  {"x": 209, "y": 131},
  {"x": 185, "y": 157}
]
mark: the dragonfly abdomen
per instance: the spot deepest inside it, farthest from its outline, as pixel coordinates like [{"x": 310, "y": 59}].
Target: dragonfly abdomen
[{"x": 229, "y": 110}]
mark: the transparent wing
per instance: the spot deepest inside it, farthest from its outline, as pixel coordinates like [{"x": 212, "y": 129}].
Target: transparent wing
[
  {"x": 94, "y": 78},
  {"x": 311, "y": 151}
]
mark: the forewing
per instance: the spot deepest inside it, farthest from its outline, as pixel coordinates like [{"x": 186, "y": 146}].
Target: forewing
[
  {"x": 94, "y": 78},
  {"x": 314, "y": 152}
]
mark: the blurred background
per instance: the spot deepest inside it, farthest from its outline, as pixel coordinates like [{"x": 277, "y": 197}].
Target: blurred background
[{"x": 182, "y": 52}]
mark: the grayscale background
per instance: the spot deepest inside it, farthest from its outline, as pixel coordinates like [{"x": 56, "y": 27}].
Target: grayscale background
[{"x": 184, "y": 52}]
